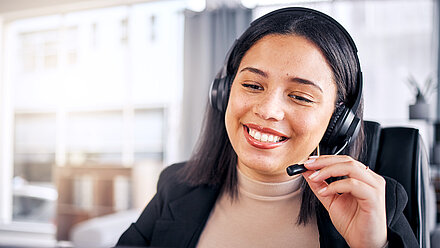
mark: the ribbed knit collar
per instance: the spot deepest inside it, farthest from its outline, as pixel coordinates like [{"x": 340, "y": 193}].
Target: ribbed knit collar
[{"x": 268, "y": 191}]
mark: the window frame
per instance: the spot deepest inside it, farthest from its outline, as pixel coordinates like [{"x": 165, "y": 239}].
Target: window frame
[{"x": 171, "y": 112}]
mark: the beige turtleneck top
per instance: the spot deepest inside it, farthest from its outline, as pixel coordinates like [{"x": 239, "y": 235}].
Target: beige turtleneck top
[{"x": 264, "y": 215}]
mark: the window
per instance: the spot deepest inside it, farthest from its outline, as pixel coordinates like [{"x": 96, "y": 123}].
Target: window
[
  {"x": 93, "y": 87},
  {"x": 124, "y": 31},
  {"x": 39, "y": 50},
  {"x": 34, "y": 156},
  {"x": 94, "y": 137},
  {"x": 148, "y": 134}
]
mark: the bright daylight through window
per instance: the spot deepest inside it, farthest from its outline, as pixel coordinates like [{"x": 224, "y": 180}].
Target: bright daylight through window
[{"x": 88, "y": 91}]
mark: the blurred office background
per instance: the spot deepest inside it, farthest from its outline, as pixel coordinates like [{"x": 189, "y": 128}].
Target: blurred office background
[{"x": 98, "y": 96}]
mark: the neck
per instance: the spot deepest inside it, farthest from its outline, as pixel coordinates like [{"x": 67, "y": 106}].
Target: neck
[{"x": 265, "y": 176}]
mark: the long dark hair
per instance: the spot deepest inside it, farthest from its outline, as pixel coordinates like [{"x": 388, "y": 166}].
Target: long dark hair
[{"x": 214, "y": 161}]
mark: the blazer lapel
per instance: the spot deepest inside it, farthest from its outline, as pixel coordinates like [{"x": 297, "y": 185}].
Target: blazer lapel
[{"x": 182, "y": 226}]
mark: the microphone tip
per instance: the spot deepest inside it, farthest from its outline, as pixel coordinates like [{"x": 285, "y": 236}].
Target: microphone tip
[{"x": 296, "y": 169}]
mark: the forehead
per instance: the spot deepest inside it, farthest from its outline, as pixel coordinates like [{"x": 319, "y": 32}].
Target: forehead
[
  {"x": 290, "y": 55},
  {"x": 290, "y": 47}
]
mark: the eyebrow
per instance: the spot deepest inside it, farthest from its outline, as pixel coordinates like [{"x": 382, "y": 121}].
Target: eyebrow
[
  {"x": 305, "y": 81},
  {"x": 255, "y": 70},
  {"x": 292, "y": 79}
]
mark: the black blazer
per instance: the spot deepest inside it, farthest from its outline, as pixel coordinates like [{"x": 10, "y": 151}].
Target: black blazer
[{"x": 177, "y": 214}]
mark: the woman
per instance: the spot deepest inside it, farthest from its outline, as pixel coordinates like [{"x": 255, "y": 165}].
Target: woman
[{"x": 288, "y": 80}]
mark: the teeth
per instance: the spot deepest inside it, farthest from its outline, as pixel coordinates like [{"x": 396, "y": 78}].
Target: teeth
[
  {"x": 257, "y": 135},
  {"x": 263, "y": 137}
]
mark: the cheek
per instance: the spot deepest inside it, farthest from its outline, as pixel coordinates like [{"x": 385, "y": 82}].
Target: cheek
[
  {"x": 238, "y": 105},
  {"x": 234, "y": 111},
  {"x": 322, "y": 123},
  {"x": 312, "y": 126}
]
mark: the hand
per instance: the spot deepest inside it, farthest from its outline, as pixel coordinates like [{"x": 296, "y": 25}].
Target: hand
[{"x": 356, "y": 204}]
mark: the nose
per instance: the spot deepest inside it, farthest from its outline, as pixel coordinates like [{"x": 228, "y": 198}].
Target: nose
[{"x": 270, "y": 106}]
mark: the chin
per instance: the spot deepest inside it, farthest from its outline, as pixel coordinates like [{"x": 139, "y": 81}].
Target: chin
[{"x": 265, "y": 166}]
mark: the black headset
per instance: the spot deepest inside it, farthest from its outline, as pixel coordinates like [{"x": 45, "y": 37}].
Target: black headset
[{"x": 343, "y": 126}]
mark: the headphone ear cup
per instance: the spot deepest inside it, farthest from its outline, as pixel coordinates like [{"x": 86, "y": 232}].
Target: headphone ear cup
[
  {"x": 332, "y": 130},
  {"x": 226, "y": 84},
  {"x": 213, "y": 93},
  {"x": 219, "y": 93}
]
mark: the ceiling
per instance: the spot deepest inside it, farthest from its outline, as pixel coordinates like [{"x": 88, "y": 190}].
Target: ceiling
[
  {"x": 15, "y": 9},
  {"x": 18, "y": 5}
]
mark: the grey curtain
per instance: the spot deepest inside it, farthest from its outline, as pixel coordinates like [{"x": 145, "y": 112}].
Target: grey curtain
[
  {"x": 207, "y": 38},
  {"x": 436, "y": 28}
]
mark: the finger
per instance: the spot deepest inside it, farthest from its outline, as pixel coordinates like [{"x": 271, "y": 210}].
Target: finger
[
  {"x": 367, "y": 196},
  {"x": 352, "y": 169},
  {"x": 360, "y": 170},
  {"x": 317, "y": 163}
]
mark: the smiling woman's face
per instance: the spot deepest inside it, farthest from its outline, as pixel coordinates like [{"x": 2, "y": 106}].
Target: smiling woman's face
[{"x": 281, "y": 101}]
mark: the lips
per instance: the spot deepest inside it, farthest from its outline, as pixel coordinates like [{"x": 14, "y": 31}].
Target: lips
[{"x": 263, "y": 138}]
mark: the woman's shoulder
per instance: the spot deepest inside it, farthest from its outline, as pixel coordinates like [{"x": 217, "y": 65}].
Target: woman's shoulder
[
  {"x": 170, "y": 177},
  {"x": 400, "y": 233},
  {"x": 396, "y": 197},
  {"x": 172, "y": 185},
  {"x": 395, "y": 190},
  {"x": 171, "y": 173}
]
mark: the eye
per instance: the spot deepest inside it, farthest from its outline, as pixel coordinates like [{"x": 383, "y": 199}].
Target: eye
[
  {"x": 300, "y": 98},
  {"x": 252, "y": 86}
]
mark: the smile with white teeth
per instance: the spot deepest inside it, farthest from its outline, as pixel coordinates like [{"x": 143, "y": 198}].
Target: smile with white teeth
[{"x": 264, "y": 137}]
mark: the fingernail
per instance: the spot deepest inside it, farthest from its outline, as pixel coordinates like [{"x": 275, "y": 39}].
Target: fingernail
[
  {"x": 322, "y": 190},
  {"x": 309, "y": 161},
  {"x": 314, "y": 174},
  {"x": 314, "y": 156}
]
